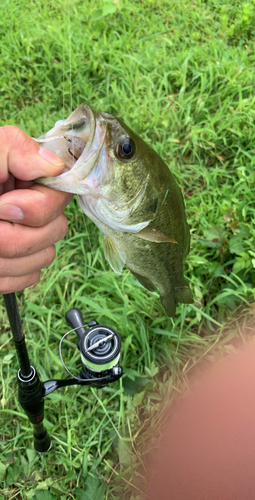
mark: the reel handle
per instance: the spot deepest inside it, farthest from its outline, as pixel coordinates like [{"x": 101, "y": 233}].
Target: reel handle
[{"x": 75, "y": 320}]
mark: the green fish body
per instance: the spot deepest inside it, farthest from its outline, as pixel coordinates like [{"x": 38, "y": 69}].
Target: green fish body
[{"x": 127, "y": 190}]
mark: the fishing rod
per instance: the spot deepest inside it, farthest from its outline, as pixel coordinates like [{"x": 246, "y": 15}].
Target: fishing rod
[{"x": 99, "y": 346}]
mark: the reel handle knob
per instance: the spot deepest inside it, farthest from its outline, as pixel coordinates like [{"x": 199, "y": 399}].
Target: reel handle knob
[{"x": 74, "y": 319}]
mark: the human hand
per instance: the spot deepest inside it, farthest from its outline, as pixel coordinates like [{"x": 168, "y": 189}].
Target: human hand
[{"x": 31, "y": 218}]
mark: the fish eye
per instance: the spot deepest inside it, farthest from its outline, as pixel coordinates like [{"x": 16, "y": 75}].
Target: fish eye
[{"x": 126, "y": 148}]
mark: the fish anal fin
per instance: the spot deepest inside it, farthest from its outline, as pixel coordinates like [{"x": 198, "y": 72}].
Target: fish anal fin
[
  {"x": 112, "y": 254},
  {"x": 154, "y": 235},
  {"x": 146, "y": 282},
  {"x": 183, "y": 295},
  {"x": 168, "y": 303}
]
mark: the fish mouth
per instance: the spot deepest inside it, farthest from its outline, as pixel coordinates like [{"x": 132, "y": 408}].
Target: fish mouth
[{"x": 78, "y": 141}]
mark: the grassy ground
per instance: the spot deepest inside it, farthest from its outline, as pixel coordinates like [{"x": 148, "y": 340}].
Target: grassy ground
[{"x": 181, "y": 74}]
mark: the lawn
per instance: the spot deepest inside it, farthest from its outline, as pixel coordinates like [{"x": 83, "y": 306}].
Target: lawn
[{"x": 180, "y": 74}]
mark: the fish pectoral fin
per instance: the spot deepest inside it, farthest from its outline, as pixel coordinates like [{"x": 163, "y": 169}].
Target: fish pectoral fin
[
  {"x": 146, "y": 282},
  {"x": 112, "y": 254},
  {"x": 154, "y": 235}
]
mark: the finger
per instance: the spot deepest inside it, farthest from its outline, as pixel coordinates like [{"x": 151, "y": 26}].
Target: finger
[
  {"x": 10, "y": 285},
  {"x": 35, "y": 207},
  {"x": 13, "y": 183},
  {"x": 23, "y": 184},
  {"x": 23, "y": 157},
  {"x": 28, "y": 264},
  {"x": 9, "y": 185},
  {"x": 17, "y": 240}
]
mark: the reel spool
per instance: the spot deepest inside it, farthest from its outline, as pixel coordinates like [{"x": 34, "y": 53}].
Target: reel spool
[
  {"x": 99, "y": 346},
  {"x": 100, "y": 350}
]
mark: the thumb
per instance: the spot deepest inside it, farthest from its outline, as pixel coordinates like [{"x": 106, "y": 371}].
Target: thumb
[{"x": 21, "y": 156}]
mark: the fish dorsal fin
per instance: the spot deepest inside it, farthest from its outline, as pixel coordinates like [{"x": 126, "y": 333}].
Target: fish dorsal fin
[
  {"x": 115, "y": 259},
  {"x": 154, "y": 235}
]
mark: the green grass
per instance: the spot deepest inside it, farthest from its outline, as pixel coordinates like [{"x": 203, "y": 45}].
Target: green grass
[{"x": 181, "y": 74}]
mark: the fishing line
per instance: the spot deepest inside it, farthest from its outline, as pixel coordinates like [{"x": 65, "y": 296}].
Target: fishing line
[
  {"x": 63, "y": 66},
  {"x": 70, "y": 62},
  {"x": 67, "y": 17},
  {"x": 60, "y": 349},
  {"x": 65, "y": 55},
  {"x": 63, "y": 92}
]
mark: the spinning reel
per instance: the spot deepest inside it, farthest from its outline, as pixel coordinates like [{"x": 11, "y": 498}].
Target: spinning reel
[{"x": 99, "y": 346}]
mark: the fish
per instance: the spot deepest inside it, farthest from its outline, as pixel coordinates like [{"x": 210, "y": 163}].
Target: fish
[{"x": 128, "y": 191}]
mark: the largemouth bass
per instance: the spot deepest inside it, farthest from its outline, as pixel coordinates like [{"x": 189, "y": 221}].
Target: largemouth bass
[{"x": 127, "y": 190}]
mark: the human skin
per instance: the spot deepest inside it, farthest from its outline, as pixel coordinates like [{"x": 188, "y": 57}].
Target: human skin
[
  {"x": 207, "y": 446},
  {"x": 31, "y": 216}
]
